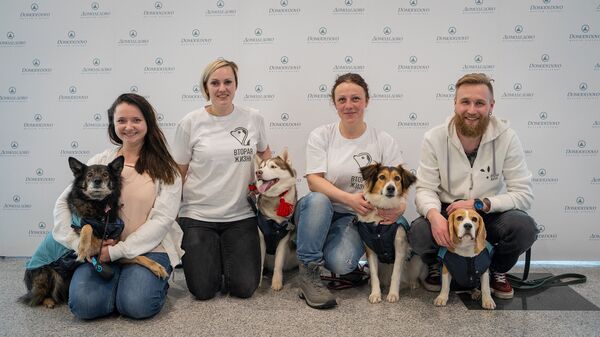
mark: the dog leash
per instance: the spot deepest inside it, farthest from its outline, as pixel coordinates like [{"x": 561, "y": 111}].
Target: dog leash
[
  {"x": 546, "y": 282},
  {"x": 104, "y": 270}
]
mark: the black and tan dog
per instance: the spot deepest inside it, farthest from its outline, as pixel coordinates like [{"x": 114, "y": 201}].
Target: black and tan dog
[
  {"x": 94, "y": 203},
  {"x": 386, "y": 187},
  {"x": 276, "y": 199}
]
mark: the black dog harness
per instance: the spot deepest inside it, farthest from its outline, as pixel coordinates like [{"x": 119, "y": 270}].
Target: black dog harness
[
  {"x": 273, "y": 231},
  {"x": 380, "y": 238},
  {"x": 466, "y": 271},
  {"x": 102, "y": 230}
]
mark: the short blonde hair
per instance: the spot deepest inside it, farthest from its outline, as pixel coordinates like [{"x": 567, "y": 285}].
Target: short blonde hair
[
  {"x": 211, "y": 68},
  {"x": 476, "y": 78}
]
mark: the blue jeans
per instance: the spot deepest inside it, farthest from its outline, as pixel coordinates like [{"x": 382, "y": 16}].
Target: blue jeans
[
  {"x": 325, "y": 236},
  {"x": 134, "y": 291}
]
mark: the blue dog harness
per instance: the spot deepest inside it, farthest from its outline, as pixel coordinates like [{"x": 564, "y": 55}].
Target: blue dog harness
[
  {"x": 466, "y": 271},
  {"x": 272, "y": 231},
  {"x": 380, "y": 238}
]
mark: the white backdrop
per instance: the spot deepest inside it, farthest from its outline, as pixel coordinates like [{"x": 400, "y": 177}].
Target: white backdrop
[{"x": 64, "y": 62}]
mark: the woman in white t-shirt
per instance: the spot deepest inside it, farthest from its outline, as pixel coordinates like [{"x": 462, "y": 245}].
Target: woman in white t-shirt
[
  {"x": 214, "y": 147},
  {"x": 327, "y": 232}
]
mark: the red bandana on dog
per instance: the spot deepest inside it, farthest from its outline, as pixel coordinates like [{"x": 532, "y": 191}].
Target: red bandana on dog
[{"x": 284, "y": 209}]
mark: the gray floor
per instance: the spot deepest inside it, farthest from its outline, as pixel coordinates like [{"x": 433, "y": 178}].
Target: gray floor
[{"x": 269, "y": 314}]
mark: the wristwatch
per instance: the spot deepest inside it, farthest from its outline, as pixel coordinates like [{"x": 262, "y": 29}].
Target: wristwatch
[{"x": 478, "y": 204}]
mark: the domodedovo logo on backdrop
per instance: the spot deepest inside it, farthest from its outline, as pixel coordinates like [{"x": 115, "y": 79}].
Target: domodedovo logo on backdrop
[
  {"x": 285, "y": 65},
  {"x": 542, "y": 177},
  {"x": 94, "y": 11},
  {"x": 37, "y": 123},
  {"x": 194, "y": 95},
  {"x": 387, "y": 35},
  {"x": 452, "y": 35},
  {"x": 71, "y": 40},
  {"x": 35, "y": 11},
  {"x": 322, "y": 35},
  {"x": 386, "y": 93},
  {"x": 349, "y": 8},
  {"x": 285, "y": 8},
  {"x": 16, "y": 203},
  {"x": 220, "y": 9},
  {"x": 519, "y": 35},
  {"x": 39, "y": 177},
  {"x": 36, "y": 67},
  {"x": 74, "y": 150},
  {"x": 518, "y": 92},
  {"x": 14, "y": 150},
  {"x": 545, "y": 234},
  {"x": 259, "y": 36},
  {"x": 349, "y": 66},
  {"x": 413, "y": 8},
  {"x": 546, "y": 6},
  {"x": 584, "y": 92},
  {"x": 413, "y": 65},
  {"x": 543, "y": 121},
  {"x": 159, "y": 66},
  {"x": 478, "y": 65},
  {"x": 11, "y": 40},
  {"x": 158, "y": 11},
  {"x": 259, "y": 94},
  {"x": 195, "y": 38},
  {"x": 164, "y": 122},
  {"x": 448, "y": 94},
  {"x": 321, "y": 94},
  {"x": 12, "y": 96},
  {"x": 39, "y": 230},
  {"x": 96, "y": 121},
  {"x": 582, "y": 149},
  {"x": 72, "y": 96},
  {"x": 479, "y": 7},
  {"x": 133, "y": 39},
  {"x": 580, "y": 206},
  {"x": 95, "y": 67},
  {"x": 585, "y": 34},
  {"x": 544, "y": 64},
  {"x": 285, "y": 121},
  {"x": 412, "y": 122}
]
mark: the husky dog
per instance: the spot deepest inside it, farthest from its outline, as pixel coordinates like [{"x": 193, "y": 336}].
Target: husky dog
[{"x": 275, "y": 202}]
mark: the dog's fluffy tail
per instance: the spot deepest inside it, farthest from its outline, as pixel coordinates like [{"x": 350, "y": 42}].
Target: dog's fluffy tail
[{"x": 44, "y": 283}]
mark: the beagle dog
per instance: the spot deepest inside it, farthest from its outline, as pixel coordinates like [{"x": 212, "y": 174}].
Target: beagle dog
[
  {"x": 387, "y": 245},
  {"x": 468, "y": 262}
]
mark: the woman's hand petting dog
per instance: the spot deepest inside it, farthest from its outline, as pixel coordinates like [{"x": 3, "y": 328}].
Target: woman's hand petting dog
[
  {"x": 104, "y": 255},
  {"x": 358, "y": 203},
  {"x": 390, "y": 215}
]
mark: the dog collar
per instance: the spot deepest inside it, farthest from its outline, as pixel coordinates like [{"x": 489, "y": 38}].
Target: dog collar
[{"x": 284, "y": 209}]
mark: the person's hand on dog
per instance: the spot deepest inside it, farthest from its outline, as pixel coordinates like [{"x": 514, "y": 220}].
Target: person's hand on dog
[
  {"x": 391, "y": 215},
  {"x": 358, "y": 203},
  {"x": 439, "y": 228},
  {"x": 104, "y": 255},
  {"x": 468, "y": 204}
]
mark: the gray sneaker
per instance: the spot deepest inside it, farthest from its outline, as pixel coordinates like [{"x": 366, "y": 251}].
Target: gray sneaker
[{"x": 312, "y": 289}]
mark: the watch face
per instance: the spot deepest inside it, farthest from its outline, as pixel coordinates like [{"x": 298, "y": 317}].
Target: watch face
[{"x": 478, "y": 204}]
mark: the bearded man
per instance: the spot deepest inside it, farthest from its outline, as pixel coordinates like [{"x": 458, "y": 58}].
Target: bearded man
[{"x": 474, "y": 160}]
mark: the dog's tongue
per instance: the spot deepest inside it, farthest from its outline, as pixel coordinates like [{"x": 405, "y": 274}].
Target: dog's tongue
[{"x": 266, "y": 185}]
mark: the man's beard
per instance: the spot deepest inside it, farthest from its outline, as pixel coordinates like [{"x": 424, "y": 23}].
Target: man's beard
[{"x": 469, "y": 130}]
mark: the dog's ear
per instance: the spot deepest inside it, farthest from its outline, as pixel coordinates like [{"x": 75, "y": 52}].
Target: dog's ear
[
  {"x": 451, "y": 220},
  {"x": 481, "y": 235},
  {"x": 116, "y": 166},
  {"x": 285, "y": 156},
  {"x": 407, "y": 177},
  {"x": 76, "y": 166},
  {"x": 369, "y": 171}
]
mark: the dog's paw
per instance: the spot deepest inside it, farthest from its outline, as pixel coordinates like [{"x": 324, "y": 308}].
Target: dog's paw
[
  {"x": 393, "y": 297},
  {"x": 440, "y": 301},
  {"x": 374, "y": 298},
  {"x": 414, "y": 285},
  {"x": 488, "y": 303},
  {"x": 475, "y": 294},
  {"x": 49, "y": 303},
  {"x": 277, "y": 282},
  {"x": 159, "y": 271}
]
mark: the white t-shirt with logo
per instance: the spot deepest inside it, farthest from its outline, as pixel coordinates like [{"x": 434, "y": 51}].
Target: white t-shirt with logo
[
  {"x": 220, "y": 154},
  {"x": 340, "y": 159}
]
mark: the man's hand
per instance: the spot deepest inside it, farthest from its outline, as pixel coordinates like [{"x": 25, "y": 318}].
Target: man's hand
[
  {"x": 439, "y": 228},
  {"x": 468, "y": 204},
  {"x": 104, "y": 255},
  {"x": 391, "y": 215},
  {"x": 358, "y": 203}
]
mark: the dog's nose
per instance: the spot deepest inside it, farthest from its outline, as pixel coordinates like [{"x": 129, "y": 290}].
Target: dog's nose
[
  {"x": 259, "y": 173},
  {"x": 468, "y": 226},
  {"x": 97, "y": 182},
  {"x": 390, "y": 188}
]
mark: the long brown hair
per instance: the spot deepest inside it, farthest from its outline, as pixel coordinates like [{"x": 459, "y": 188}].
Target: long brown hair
[{"x": 155, "y": 158}]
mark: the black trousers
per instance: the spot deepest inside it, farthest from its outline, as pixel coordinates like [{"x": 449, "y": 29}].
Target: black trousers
[
  {"x": 511, "y": 233},
  {"x": 221, "y": 251}
]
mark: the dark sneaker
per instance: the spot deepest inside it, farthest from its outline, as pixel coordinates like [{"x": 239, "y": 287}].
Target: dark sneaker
[
  {"x": 501, "y": 288},
  {"x": 433, "y": 281},
  {"x": 312, "y": 289}
]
